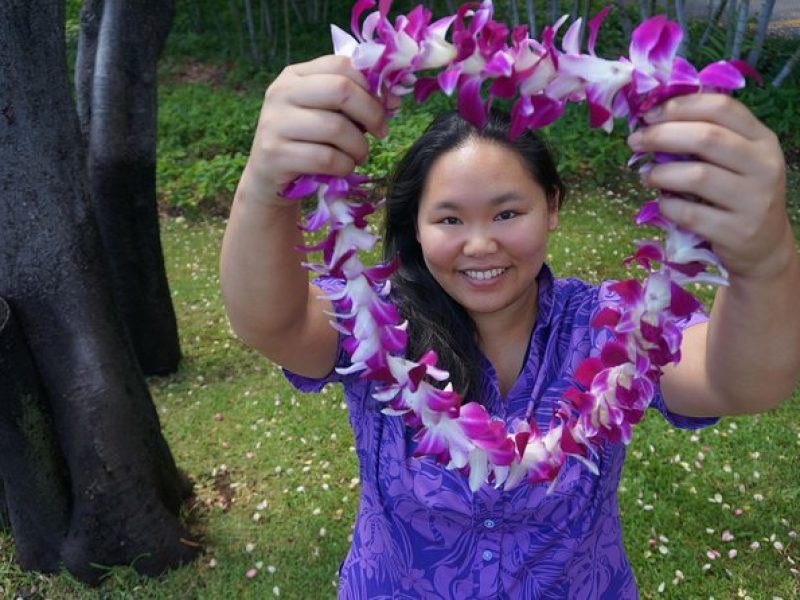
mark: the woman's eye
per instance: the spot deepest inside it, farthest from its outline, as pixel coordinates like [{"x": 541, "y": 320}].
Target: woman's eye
[
  {"x": 449, "y": 221},
  {"x": 506, "y": 214}
]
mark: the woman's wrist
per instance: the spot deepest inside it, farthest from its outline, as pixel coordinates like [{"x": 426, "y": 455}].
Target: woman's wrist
[
  {"x": 780, "y": 263},
  {"x": 258, "y": 192}
]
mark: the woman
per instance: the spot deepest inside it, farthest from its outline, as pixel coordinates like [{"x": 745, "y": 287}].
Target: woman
[{"x": 470, "y": 213}]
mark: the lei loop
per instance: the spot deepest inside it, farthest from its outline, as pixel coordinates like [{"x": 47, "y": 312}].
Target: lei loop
[{"x": 614, "y": 388}]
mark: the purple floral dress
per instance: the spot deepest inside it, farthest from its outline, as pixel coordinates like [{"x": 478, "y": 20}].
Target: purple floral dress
[{"x": 421, "y": 533}]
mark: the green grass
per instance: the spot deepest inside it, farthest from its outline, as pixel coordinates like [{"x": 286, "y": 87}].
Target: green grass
[{"x": 274, "y": 470}]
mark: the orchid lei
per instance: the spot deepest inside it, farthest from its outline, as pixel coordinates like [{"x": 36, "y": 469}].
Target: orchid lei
[{"x": 614, "y": 388}]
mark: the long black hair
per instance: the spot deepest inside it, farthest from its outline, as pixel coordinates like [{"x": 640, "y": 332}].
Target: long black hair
[{"x": 436, "y": 321}]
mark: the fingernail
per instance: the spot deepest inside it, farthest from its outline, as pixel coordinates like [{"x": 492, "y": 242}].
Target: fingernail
[
  {"x": 654, "y": 114},
  {"x": 635, "y": 140}
]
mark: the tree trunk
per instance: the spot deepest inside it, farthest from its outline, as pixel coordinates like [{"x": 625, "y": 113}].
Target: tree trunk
[
  {"x": 124, "y": 490},
  {"x": 255, "y": 55},
  {"x": 513, "y": 12},
  {"x": 644, "y": 10},
  {"x": 787, "y": 68},
  {"x": 122, "y": 167},
  {"x": 531, "y": 18},
  {"x": 268, "y": 31},
  {"x": 625, "y": 19},
  {"x": 36, "y": 499},
  {"x": 584, "y": 21},
  {"x": 298, "y": 15},
  {"x": 713, "y": 20},
  {"x": 552, "y": 11},
  {"x": 761, "y": 32},
  {"x": 91, "y": 11},
  {"x": 236, "y": 17},
  {"x": 730, "y": 25},
  {"x": 680, "y": 16},
  {"x": 741, "y": 24},
  {"x": 287, "y": 34}
]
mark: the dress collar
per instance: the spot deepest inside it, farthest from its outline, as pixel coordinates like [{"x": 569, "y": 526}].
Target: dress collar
[{"x": 544, "y": 309}]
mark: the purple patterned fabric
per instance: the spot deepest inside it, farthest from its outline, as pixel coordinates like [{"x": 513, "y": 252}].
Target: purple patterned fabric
[{"x": 421, "y": 533}]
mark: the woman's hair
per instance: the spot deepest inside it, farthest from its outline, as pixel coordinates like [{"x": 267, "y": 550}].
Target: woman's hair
[{"x": 436, "y": 321}]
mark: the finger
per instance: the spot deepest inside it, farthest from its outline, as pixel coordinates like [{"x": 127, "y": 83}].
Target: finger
[
  {"x": 326, "y": 127},
  {"x": 331, "y": 65},
  {"x": 711, "y": 223},
  {"x": 721, "y": 187},
  {"x": 714, "y": 108},
  {"x": 709, "y": 141},
  {"x": 393, "y": 101},
  {"x": 340, "y": 93},
  {"x": 298, "y": 158}
]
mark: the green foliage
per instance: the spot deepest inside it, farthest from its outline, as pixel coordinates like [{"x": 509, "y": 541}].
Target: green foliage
[
  {"x": 777, "y": 108},
  {"x": 210, "y": 95},
  {"x": 588, "y": 156},
  {"x": 204, "y": 139},
  {"x": 407, "y": 125},
  {"x": 201, "y": 186}
]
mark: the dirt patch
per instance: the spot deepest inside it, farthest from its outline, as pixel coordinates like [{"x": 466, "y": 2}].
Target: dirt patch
[
  {"x": 199, "y": 72},
  {"x": 223, "y": 493}
]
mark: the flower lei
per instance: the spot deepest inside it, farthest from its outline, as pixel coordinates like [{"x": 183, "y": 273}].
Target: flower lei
[{"x": 613, "y": 389}]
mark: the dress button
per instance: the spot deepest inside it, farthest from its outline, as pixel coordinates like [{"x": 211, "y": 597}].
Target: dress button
[
  {"x": 487, "y": 555},
  {"x": 489, "y": 524}
]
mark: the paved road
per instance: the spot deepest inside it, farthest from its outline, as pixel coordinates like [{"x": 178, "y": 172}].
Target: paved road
[{"x": 785, "y": 14}]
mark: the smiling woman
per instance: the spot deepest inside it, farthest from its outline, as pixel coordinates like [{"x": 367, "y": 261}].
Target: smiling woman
[
  {"x": 436, "y": 319},
  {"x": 481, "y": 221},
  {"x": 470, "y": 209}
]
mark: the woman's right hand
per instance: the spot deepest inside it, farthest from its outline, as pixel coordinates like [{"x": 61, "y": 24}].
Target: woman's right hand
[{"x": 312, "y": 121}]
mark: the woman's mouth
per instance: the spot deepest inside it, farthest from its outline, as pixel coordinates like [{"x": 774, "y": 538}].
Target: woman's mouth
[{"x": 484, "y": 275}]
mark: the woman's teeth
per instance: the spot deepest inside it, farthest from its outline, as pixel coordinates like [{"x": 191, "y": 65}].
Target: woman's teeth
[{"x": 483, "y": 275}]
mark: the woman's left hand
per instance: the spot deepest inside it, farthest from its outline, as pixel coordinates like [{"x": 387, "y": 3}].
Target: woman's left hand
[{"x": 738, "y": 170}]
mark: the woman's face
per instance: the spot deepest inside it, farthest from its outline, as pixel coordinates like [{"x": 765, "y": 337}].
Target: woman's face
[{"x": 483, "y": 223}]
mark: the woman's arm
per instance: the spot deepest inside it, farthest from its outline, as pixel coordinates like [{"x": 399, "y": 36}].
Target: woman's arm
[
  {"x": 312, "y": 121},
  {"x": 746, "y": 359}
]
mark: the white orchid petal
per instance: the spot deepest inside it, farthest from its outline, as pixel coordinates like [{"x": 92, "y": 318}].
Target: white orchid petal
[{"x": 344, "y": 44}]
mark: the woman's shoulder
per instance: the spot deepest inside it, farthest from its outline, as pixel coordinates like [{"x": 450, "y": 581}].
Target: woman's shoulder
[{"x": 570, "y": 294}]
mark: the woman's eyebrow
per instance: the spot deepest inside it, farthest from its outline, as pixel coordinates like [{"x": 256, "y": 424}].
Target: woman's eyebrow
[{"x": 496, "y": 201}]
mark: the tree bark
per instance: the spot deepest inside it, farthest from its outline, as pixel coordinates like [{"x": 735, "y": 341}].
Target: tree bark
[
  {"x": 730, "y": 25},
  {"x": 121, "y": 115},
  {"x": 787, "y": 68},
  {"x": 644, "y": 10},
  {"x": 761, "y": 32},
  {"x": 713, "y": 21},
  {"x": 287, "y": 34},
  {"x": 531, "y": 18},
  {"x": 124, "y": 490},
  {"x": 513, "y": 12},
  {"x": 552, "y": 11},
  {"x": 268, "y": 31},
  {"x": 741, "y": 24},
  {"x": 680, "y": 16},
  {"x": 255, "y": 55},
  {"x": 625, "y": 19},
  {"x": 91, "y": 11},
  {"x": 36, "y": 499}
]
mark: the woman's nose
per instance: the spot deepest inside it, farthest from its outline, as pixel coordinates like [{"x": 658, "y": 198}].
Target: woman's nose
[{"x": 479, "y": 244}]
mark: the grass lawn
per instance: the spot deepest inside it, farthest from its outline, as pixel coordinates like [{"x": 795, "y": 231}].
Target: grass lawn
[{"x": 705, "y": 514}]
